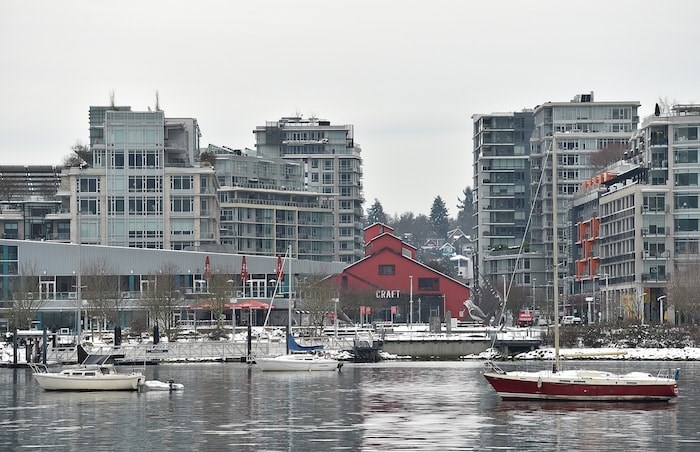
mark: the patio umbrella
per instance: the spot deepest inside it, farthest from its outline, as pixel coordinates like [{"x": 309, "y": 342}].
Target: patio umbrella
[{"x": 250, "y": 304}]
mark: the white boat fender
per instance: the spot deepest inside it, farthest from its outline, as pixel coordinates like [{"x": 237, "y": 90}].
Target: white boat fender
[{"x": 539, "y": 383}]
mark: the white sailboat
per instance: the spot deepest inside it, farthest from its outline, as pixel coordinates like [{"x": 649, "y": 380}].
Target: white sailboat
[
  {"x": 309, "y": 361},
  {"x": 578, "y": 385},
  {"x": 95, "y": 373}
]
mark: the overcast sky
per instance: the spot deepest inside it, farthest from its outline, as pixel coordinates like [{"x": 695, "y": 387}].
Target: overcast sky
[{"x": 408, "y": 75}]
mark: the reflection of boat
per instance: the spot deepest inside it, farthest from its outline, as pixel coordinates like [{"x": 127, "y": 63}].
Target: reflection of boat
[
  {"x": 95, "y": 373},
  {"x": 581, "y": 385},
  {"x": 306, "y": 358},
  {"x": 530, "y": 406}
]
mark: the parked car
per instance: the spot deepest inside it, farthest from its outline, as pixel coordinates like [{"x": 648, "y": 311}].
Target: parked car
[{"x": 570, "y": 320}]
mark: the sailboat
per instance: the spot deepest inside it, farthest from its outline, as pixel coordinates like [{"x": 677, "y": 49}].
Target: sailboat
[
  {"x": 578, "y": 384},
  {"x": 308, "y": 359}
]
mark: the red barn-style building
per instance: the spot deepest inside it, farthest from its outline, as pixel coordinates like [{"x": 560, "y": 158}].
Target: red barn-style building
[{"x": 392, "y": 277}]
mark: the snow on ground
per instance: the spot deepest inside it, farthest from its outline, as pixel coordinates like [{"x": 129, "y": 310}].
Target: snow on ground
[{"x": 629, "y": 354}]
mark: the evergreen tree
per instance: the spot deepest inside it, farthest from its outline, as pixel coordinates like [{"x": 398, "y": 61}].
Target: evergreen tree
[
  {"x": 375, "y": 214},
  {"x": 439, "y": 218},
  {"x": 465, "y": 215}
]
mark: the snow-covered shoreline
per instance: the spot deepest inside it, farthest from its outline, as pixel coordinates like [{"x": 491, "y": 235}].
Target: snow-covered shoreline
[{"x": 618, "y": 354}]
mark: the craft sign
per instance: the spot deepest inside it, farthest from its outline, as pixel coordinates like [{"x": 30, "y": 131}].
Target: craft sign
[{"x": 388, "y": 293}]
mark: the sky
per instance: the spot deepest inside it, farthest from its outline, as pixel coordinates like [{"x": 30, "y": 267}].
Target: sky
[{"x": 409, "y": 75}]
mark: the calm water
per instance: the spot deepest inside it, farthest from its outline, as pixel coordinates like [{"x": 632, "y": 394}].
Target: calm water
[{"x": 387, "y": 406}]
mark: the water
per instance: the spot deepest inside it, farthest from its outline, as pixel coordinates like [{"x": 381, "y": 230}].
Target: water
[{"x": 387, "y": 406}]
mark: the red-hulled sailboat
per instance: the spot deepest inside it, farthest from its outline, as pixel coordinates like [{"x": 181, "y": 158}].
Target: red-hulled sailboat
[{"x": 586, "y": 385}]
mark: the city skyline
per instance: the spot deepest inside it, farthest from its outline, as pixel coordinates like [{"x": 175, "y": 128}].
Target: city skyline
[{"x": 408, "y": 75}]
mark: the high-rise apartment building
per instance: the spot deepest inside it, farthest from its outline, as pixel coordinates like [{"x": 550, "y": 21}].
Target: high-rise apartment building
[
  {"x": 143, "y": 185},
  {"x": 264, "y": 207},
  {"x": 583, "y": 129},
  {"x": 331, "y": 164},
  {"x": 501, "y": 191},
  {"x": 647, "y": 208}
]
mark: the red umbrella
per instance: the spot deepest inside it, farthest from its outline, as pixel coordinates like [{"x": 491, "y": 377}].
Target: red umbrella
[{"x": 251, "y": 304}]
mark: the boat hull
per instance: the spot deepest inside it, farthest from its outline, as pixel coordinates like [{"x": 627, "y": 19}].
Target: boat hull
[
  {"x": 584, "y": 386},
  {"x": 298, "y": 363},
  {"x": 58, "y": 382}
]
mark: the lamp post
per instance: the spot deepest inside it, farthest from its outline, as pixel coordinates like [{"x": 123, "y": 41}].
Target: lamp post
[
  {"x": 233, "y": 309},
  {"x": 607, "y": 297},
  {"x": 419, "y": 316},
  {"x": 661, "y": 308},
  {"x": 534, "y": 283},
  {"x": 410, "y": 301},
  {"x": 335, "y": 317}
]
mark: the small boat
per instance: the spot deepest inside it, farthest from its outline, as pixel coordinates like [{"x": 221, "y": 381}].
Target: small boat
[
  {"x": 157, "y": 385},
  {"x": 95, "y": 373},
  {"x": 578, "y": 385},
  {"x": 298, "y": 362}
]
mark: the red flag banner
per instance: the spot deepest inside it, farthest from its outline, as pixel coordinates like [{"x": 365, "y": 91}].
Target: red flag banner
[
  {"x": 207, "y": 269},
  {"x": 280, "y": 268},
  {"x": 244, "y": 271}
]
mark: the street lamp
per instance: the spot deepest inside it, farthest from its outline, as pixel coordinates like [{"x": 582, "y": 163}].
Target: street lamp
[
  {"x": 661, "y": 308},
  {"x": 534, "y": 283},
  {"x": 410, "y": 301},
  {"x": 233, "y": 309},
  {"x": 335, "y": 316},
  {"x": 419, "y": 316}
]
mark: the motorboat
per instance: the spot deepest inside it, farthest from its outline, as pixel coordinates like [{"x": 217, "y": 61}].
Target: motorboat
[
  {"x": 578, "y": 385},
  {"x": 95, "y": 373},
  {"x": 157, "y": 385},
  {"x": 298, "y": 362}
]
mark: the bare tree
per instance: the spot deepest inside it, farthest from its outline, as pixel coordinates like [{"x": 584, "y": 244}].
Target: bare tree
[
  {"x": 102, "y": 292},
  {"x": 318, "y": 299},
  {"x": 682, "y": 291},
  {"x": 352, "y": 298},
  {"x": 25, "y": 298},
  {"x": 162, "y": 298},
  {"x": 220, "y": 286},
  {"x": 10, "y": 189},
  {"x": 609, "y": 154}
]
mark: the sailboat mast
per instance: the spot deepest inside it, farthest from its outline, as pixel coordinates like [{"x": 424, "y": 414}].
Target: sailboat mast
[
  {"x": 289, "y": 304},
  {"x": 555, "y": 251}
]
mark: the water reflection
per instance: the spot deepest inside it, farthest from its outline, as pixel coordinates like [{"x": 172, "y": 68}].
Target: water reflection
[{"x": 385, "y": 406}]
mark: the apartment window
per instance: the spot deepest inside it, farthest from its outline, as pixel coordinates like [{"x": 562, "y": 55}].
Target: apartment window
[
  {"x": 687, "y": 180},
  {"x": 686, "y": 225},
  {"x": 90, "y": 206},
  {"x": 181, "y": 204},
  {"x": 387, "y": 269},
  {"x": 116, "y": 205},
  {"x": 686, "y": 133},
  {"x": 686, "y": 202},
  {"x": 11, "y": 231},
  {"x": 181, "y": 183},
  {"x": 88, "y": 185}
]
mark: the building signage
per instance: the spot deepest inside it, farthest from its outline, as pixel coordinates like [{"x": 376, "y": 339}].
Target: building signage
[{"x": 388, "y": 293}]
